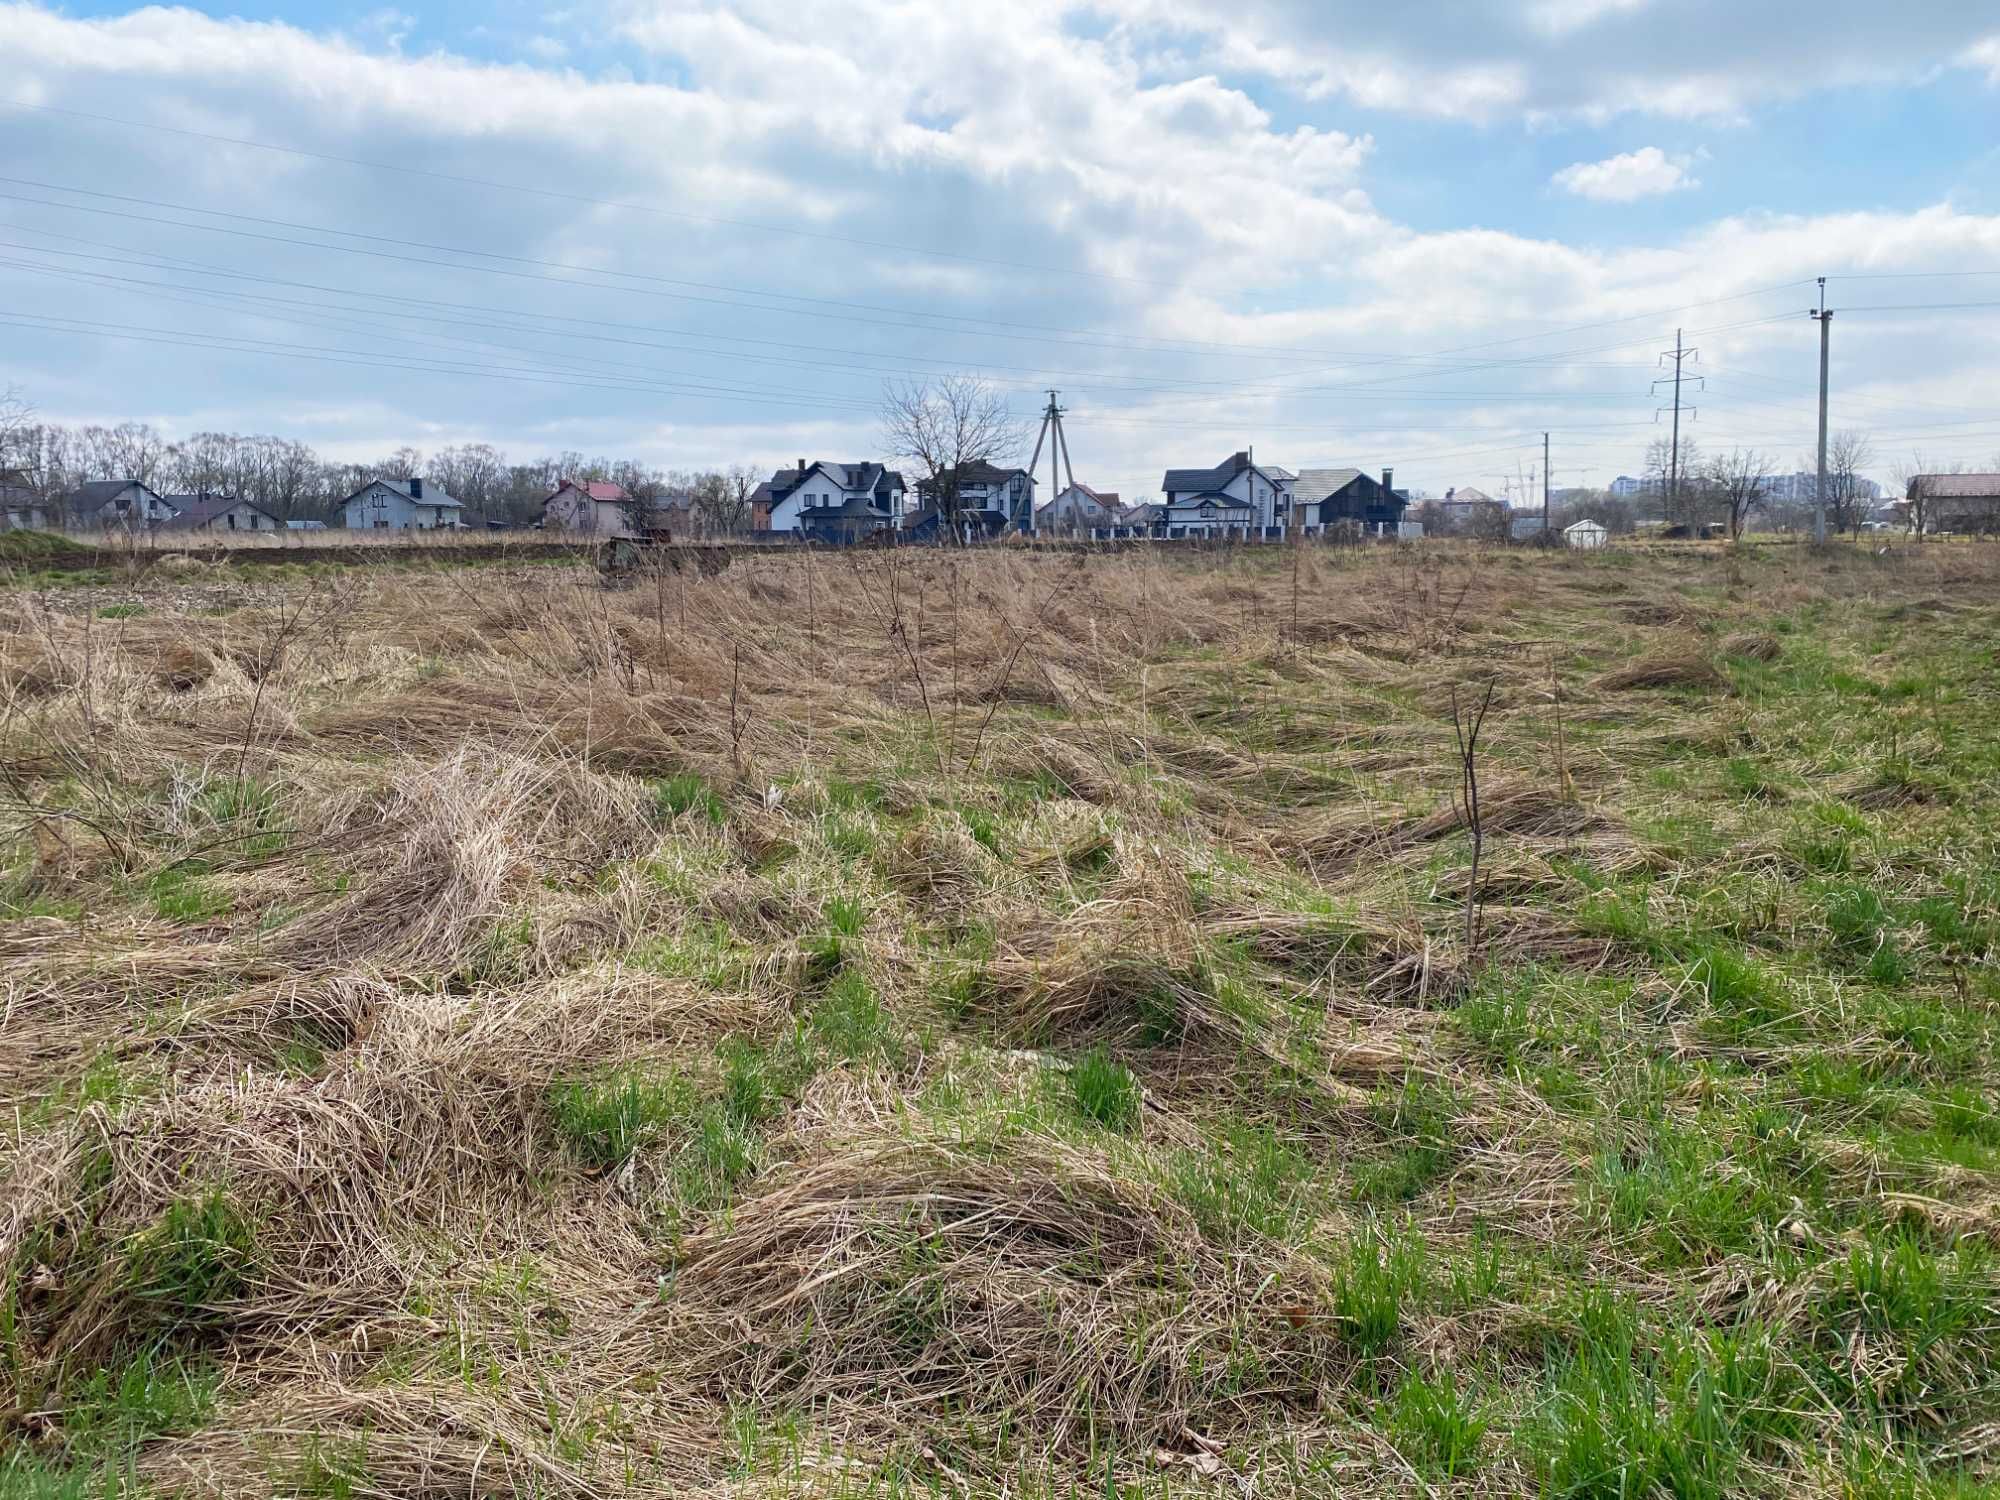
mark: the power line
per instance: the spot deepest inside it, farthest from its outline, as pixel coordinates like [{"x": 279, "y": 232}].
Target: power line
[
  {"x": 584, "y": 198},
  {"x": 1189, "y": 346},
  {"x": 1100, "y": 380}
]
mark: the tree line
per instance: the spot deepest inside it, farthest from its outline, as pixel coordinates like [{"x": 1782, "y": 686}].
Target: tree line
[{"x": 293, "y": 482}]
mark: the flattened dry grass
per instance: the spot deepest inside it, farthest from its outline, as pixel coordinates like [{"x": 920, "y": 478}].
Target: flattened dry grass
[{"x": 1014, "y": 1031}]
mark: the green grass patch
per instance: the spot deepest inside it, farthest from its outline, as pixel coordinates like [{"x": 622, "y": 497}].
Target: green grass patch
[
  {"x": 678, "y": 796},
  {"x": 1248, "y": 1181},
  {"x": 1104, "y": 1091},
  {"x": 197, "y": 1257},
  {"x": 182, "y": 893},
  {"x": 1436, "y": 1425}
]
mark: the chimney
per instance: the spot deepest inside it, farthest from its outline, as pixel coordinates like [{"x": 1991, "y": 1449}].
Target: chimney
[
  {"x": 802, "y": 468},
  {"x": 416, "y": 488},
  {"x": 1450, "y": 492},
  {"x": 1389, "y": 483}
]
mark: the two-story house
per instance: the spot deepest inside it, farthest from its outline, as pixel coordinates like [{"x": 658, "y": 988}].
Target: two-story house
[
  {"x": 116, "y": 505},
  {"x": 830, "y": 501},
  {"x": 1238, "y": 497},
  {"x": 1079, "y": 510},
  {"x": 1326, "y": 497},
  {"x": 987, "y": 499},
  {"x": 411, "y": 504},
  {"x": 595, "y": 507}
]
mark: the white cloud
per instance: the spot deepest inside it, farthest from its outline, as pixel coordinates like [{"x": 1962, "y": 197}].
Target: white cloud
[
  {"x": 1563, "y": 59},
  {"x": 1628, "y": 177},
  {"x": 1985, "y": 55},
  {"x": 1091, "y": 197}
]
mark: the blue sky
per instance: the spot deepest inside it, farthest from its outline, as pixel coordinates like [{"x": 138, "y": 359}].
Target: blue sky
[{"x": 702, "y": 233}]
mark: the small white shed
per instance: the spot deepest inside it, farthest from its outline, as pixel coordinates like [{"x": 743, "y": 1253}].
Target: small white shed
[{"x": 1585, "y": 533}]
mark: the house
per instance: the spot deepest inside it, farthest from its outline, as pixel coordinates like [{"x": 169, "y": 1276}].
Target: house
[
  {"x": 990, "y": 499},
  {"x": 1956, "y": 502},
  {"x": 402, "y": 505},
  {"x": 1586, "y": 535},
  {"x": 829, "y": 501},
  {"x": 205, "y": 512},
  {"x": 1325, "y": 497},
  {"x": 21, "y": 505},
  {"x": 595, "y": 507},
  {"x": 1081, "y": 510},
  {"x": 120, "y": 504},
  {"x": 1149, "y": 519},
  {"x": 1466, "y": 511},
  {"x": 1237, "y": 497}
]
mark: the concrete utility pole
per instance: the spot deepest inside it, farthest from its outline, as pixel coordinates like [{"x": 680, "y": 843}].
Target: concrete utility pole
[
  {"x": 1545, "y": 482},
  {"x": 1824, "y": 317},
  {"x": 1678, "y": 355},
  {"x": 1052, "y": 434}
]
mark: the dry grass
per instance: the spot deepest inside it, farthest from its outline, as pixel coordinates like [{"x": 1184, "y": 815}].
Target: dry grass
[{"x": 924, "y": 1023}]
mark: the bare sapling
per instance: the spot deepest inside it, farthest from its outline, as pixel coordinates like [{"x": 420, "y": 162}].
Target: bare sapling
[{"x": 1465, "y": 725}]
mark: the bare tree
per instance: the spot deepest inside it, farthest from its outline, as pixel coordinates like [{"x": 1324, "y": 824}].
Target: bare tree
[
  {"x": 1847, "y": 453},
  {"x": 721, "y": 501},
  {"x": 943, "y": 424},
  {"x": 474, "y": 474},
  {"x": 17, "y": 415},
  {"x": 1738, "y": 480},
  {"x": 1684, "y": 499}
]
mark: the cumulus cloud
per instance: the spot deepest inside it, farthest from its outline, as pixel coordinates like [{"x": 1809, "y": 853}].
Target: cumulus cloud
[
  {"x": 776, "y": 216},
  {"x": 1628, "y": 177}
]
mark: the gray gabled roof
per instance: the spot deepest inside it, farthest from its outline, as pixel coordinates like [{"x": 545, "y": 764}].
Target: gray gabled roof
[
  {"x": 430, "y": 496},
  {"x": 1315, "y": 485},
  {"x": 86, "y": 499},
  {"x": 198, "y": 510},
  {"x": 864, "y": 476},
  {"x": 1957, "y": 486},
  {"x": 1203, "y": 481},
  {"x": 1184, "y": 481}
]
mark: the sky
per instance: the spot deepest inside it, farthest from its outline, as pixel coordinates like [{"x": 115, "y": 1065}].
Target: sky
[{"x": 701, "y": 234}]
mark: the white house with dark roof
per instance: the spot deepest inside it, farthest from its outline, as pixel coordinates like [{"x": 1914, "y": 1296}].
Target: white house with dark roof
[
  {"x": 989, "y": 499},
  {"x": 830, "y": 501},
  {"x": 116, "y": 504},
  {"x": 412, "y": 504},
  {"x": 1238, "y": 497}
]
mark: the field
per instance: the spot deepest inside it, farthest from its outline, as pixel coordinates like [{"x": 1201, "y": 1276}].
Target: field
[{"x": 1011, "y": 1025}]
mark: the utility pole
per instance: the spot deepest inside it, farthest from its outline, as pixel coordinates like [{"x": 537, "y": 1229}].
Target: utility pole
[
  {"x": 1545, "y": 483},
  {"x": 1052, "y": 434},
  {"x": 1824, "y": 317},
  {"x": 1679, "y": 355}
]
